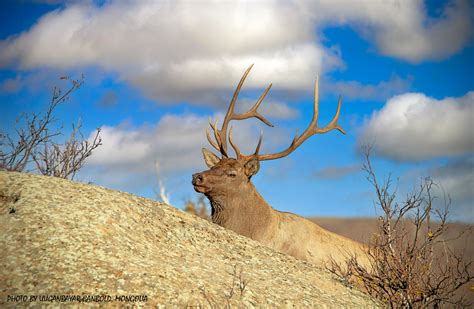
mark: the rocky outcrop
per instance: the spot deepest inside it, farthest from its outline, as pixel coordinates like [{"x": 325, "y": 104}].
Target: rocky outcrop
[{"x": 65, "y": 243}]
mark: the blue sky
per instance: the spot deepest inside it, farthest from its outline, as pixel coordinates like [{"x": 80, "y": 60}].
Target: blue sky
[{"x": 155, "y": 71}]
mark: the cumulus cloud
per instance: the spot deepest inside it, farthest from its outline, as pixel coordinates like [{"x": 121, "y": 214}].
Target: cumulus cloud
[
  {"x": 453, "y": 179},
  {"x": 109, "y": 99},
  {"x": 177, "y": 50},
  {"x": 413, "y": 126},
  {"x": 440, "y": 38},
  {"x": 337, "y": 172},
  {"x": 11, "y": 85},
  {"x": 401, "y": 29},
  {"x": 174, "y": 141},
  {"x": 269, "y": 109},
  {"x": 184, "y": 50},
  {"x": 381, "y": 91},
  {"x": 457, "y": 178}
]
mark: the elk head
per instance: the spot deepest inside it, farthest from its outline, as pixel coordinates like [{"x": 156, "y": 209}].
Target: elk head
[{"x": 230, "y": 176}]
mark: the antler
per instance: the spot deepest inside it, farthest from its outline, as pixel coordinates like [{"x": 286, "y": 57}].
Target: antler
[
  {"x": 311, "y": 130},
  {"x": 221, "y": 135}
]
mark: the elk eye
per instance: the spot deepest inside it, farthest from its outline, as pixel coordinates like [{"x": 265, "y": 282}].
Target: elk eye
[{"x": 232, "y": 174}]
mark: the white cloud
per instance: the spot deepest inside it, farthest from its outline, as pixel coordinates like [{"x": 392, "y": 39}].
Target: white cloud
[
  {"x": 108, "y": 100},
  {"x": 401, "y": 29},
  {"x": 414, "y": 41},
  {"x": 337, "y": 172},
  {"x": 174, "y": 141},
  {"x": 184, "y": 50},
  {"x": 457, "y": 179},
  {"x": 413, "y": 126},
  {"x": 453, "y": 179},
  {"x": 176, "y": 50},
  {"x": 381, "y": 91},
  {"x": 268, "y": 108},
  {"x": 11, "y": 85}
]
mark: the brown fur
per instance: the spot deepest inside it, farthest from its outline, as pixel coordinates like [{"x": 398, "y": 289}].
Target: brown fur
[{"x": 236, "y": 205}]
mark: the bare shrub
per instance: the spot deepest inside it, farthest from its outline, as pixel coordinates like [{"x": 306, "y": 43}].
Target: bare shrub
[
  {"x": 198, "y": 208},
  {"x": 404, "y": 270},
  {"x": 235, "y": 291},
  {"x": 34, "y": 141},
  {"x": 66, "y": 160},
  {"x": 239, "y": 284}
]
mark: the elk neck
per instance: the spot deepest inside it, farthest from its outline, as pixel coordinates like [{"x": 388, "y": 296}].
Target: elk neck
[{"x": 244, "y": 212}]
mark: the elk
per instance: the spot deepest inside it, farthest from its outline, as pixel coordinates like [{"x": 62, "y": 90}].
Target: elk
[{"x": 236, "y": 204}]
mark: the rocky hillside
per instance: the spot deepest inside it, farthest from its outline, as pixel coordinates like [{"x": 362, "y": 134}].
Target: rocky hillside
[{"x": 64, "y": 242}]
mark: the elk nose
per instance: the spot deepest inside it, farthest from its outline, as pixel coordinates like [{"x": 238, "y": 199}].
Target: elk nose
[{"x": 197, "y": 179}]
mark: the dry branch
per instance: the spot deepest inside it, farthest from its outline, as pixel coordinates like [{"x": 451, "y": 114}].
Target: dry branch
[
  {"x": 66, "y": 160},
  {"x": 405, "y": 271},
  {"x": 16, "y": 153}
]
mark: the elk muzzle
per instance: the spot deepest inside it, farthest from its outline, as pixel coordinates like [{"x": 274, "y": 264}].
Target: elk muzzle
[{"x": 198, "y": 182}]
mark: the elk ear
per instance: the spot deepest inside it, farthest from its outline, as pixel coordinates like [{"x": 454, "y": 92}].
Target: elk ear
[
  {"x": 251, "y": 167},
  {"x": 210, "y": 158}
]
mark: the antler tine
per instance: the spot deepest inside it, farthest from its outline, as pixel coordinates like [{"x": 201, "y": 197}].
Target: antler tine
[
  {"x": 259, "y": 143},
  {"x": 253, "y": 111},
  {"x": 236, "y": 92},
  {"x": 209, "y": 139},
  {"x": 231, "y": 115},
  {"x": 333, "y": 124},
  {"x": 220, "y": 148},
  {"x": 236, "y": 149},
  {"x": 314, "y": 121},
  {"x": 311, "y": 130},
  {"x": 230, "y": 111}
]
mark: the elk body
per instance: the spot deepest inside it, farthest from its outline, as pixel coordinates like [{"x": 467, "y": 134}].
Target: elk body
[{"x": 236, "y": 204}]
